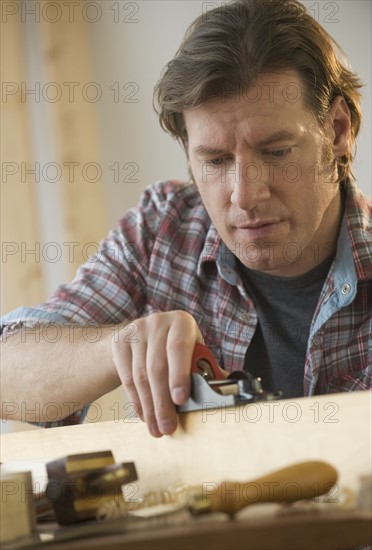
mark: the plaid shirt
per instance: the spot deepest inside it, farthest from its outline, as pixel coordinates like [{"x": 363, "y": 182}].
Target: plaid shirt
[{"x": 167, "y": 255}]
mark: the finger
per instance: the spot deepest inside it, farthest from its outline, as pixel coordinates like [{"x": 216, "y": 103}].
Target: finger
[
  {"x": 183, "y": 334},
  {"x": 122, "y": 356},
  {"x": 157, "y": 369},
  {"x": 141, "y": 382}
]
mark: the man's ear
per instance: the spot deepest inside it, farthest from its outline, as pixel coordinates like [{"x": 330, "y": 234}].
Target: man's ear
[{"x": 340, "y": 124}]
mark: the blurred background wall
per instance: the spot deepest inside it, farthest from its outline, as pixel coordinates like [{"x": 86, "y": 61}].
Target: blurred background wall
[{"x": 79, "y": 137}]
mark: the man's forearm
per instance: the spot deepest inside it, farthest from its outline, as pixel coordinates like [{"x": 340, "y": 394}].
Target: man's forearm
[{"x": 49, "y": 372}]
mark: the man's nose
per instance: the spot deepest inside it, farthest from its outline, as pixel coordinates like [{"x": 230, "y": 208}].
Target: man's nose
[{"x": 249, "y": 185}]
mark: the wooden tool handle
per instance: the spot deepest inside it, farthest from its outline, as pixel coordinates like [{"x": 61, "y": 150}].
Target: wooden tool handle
[{"x": 301, "y": 481}]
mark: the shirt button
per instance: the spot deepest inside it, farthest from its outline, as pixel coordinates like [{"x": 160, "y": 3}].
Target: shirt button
[
  {"x": 345, "y": 289},
  {"x": 244, "y": 317}
]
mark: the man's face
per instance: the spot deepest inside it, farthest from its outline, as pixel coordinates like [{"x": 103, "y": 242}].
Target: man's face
[{"x": 262, "y": 166}]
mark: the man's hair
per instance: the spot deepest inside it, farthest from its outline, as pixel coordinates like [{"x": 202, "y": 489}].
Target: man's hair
[{"x": 225, "y": 49}]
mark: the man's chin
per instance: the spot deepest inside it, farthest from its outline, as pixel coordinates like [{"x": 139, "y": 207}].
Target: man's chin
[
  {"x": 260, "y": 256},
  {"x": 273, "y": 260}
]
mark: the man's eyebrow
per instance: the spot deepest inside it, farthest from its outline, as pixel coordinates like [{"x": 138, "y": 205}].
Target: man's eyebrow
[
  {"x": 282, "y": 135},
  {"x": 205, "y": 150}
]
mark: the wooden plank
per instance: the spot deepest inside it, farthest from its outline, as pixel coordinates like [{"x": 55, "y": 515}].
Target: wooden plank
[{"x": 214, "y": 445}]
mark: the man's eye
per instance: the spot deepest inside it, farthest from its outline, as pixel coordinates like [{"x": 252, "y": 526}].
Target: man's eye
[
  {"x": 278, "y": 153},
  {"x": 215, "y": 162}
]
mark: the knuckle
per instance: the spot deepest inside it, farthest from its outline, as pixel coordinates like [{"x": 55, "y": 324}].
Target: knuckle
[
  {"x": 127, "y": 380},
  {"x": 125, "y": 373},
  {"x": 157, "y": 368},
  {"x": 178, "y": 343},
  {"x": 177, "y": 314},
  {"x": 155, "y": 321},
  {"x": 183, "y": 316},
  {"x": 140, "y": 376}
]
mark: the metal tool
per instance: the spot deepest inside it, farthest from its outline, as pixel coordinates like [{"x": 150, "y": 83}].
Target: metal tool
[
  {"x": 79, "y": 484},
  {"x": 211, "y": 387}
]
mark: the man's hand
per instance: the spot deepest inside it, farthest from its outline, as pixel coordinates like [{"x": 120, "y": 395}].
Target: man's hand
[{"x": 154, "y": 366}]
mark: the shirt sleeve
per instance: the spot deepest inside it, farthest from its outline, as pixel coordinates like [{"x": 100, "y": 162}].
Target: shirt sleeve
[{"x": 110, "y": 287}]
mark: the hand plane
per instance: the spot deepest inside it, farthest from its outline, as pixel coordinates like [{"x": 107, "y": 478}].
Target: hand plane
[{"x": 212, "y": 387}]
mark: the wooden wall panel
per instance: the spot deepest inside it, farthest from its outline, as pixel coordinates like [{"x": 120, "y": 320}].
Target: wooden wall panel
[
  {"x": 21, "y": 273},
  {"x": 64, "y": 58},
  {"x": 67, "y": 62}
]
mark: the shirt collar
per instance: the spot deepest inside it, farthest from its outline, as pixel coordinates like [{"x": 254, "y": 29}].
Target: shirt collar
[
  {"x": 215, "y": 250},
  {"x": 358, "y": 214},
  {"x": 344, "y": 276}
]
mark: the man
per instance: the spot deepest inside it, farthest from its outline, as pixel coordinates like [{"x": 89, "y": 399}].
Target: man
[{"x": 265, "y": 256}]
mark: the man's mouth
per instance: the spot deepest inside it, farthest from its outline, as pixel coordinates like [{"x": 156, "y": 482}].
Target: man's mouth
[
  {"x": 259, "y": 228},
  {"x": 255, "y": 225}
]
